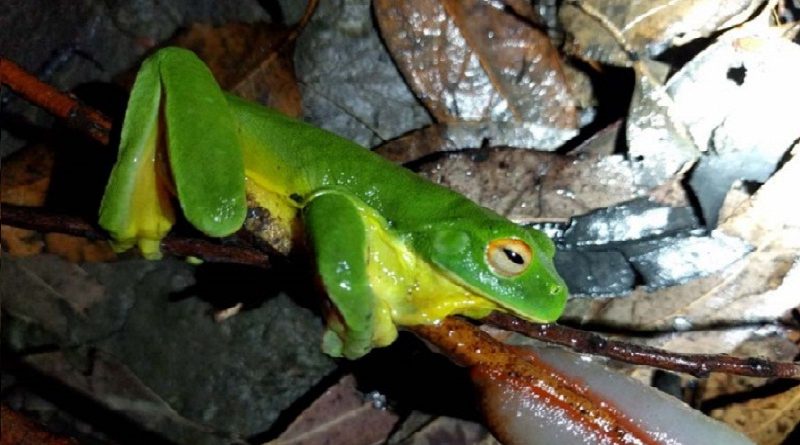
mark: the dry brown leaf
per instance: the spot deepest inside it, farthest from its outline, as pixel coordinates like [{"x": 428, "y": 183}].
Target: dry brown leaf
[
  {"x": 527, "y": 186},
  {"x": 648, "y": 27},
  {"x": 78, "y": 249},
  {"x": 474, "y": 63},
  {"x": 20, "y": 242},
  {"x": 768, "y": 420},
  {"x": 341, "y": 415},
  {"x": 25, "y": 181},
  {"x": 26, "y": 176},
  {"x": 417, "y": 144},
  {"x": 251, "y": 60}
]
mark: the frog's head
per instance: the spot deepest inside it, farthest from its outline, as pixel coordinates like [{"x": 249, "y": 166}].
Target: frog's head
[{"x": 509, "y": 265}]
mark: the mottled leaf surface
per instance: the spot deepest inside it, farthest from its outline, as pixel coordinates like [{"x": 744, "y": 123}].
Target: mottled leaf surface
[{"x": 482, "y": 70}]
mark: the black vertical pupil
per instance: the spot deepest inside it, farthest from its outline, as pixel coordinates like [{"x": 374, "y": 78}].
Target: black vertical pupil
[{"x": 514, "y": 257}]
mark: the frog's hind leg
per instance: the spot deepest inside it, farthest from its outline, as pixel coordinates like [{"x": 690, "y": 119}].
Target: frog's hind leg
[{"x": 337, "y": 234}]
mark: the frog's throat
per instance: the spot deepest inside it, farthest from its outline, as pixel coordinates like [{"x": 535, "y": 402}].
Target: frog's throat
[{"x": 407, "y": 289}]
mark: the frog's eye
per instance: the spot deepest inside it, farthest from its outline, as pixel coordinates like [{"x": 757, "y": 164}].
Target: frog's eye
[{"x": 508, "y": 257}]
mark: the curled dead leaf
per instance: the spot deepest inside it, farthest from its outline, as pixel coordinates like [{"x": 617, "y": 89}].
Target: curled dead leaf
[{"x": 648, "y": 27}]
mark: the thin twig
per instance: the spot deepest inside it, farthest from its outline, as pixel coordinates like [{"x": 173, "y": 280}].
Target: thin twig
[
  {"x": 61, "y": 105},
  {"x": 698, "y": 365},
  {"x": 41, "y": 220}
]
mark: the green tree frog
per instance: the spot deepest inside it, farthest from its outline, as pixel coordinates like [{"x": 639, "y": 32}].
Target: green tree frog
[{"x": 391, "y": 248}]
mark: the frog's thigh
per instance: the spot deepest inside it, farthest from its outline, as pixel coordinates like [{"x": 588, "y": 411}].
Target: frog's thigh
[{"x": 338, "y": 237}]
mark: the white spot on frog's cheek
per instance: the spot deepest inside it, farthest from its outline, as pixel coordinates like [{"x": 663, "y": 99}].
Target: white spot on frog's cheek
[
  {"x": 345, "y": 285},
  {"x": 450, "y": 242}
]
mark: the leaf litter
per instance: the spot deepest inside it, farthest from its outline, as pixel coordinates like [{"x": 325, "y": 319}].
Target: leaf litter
[{"x": 475, "y": 103}]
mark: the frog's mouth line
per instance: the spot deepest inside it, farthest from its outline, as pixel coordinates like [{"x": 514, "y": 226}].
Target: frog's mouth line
[{"x": 496, "y": 305}]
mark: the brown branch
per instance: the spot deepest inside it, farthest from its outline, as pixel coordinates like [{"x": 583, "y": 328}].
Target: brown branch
[
  {"x": 61, "y": 105},
  {"x": 698, "y": 365},
  {"x": 41, "y": 220}
]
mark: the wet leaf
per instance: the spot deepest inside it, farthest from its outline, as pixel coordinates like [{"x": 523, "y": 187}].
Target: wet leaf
[
  {"x": 342, "y": 415},
  {"x": 732, "y": 96},
  {"x": 487, "y": 73},
  {"x": 649, "y": 28},
  {"x": 350, "y": 85},
  {"x": 629, "y": 221},
  {"x": 92, "y": 41},
  {"x": 251, "y": 60},
  {"x": 765, "y": 220}
]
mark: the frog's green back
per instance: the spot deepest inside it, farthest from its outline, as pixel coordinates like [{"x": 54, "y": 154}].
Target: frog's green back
[{"x": 307, "y": 159}]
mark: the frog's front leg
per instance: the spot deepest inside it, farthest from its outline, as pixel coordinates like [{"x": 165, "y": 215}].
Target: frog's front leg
[{"x": 337, "y": 234}]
